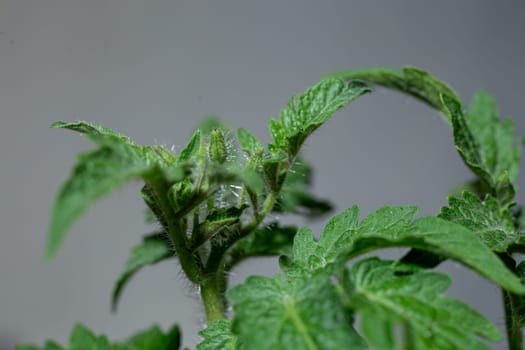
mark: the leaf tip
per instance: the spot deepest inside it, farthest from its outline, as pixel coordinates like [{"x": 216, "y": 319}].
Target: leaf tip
[{"x": 57, "y": 125}]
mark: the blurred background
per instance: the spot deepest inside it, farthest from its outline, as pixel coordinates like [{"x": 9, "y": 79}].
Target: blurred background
[{"x": 153, "y": 69}]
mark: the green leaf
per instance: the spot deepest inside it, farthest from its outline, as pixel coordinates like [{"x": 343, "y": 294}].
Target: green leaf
[
  {"x": 91, "y": 129},
  {"x": 344, "y": 238},
  {"x": 152, "y": 250},
  {"x": 249, "y": 143},
  {"x": 49, "y": 345},
  {"x": 219, "y": 221},
  {"x": 471, "y": 150},
  {"x": 99, "y": 172},
  {"x": 84, "y": 339},
  {"x": 409, "y": 80},
  {"x": 386, "y": 294},
  {"x": 218, "y": 336},
  {"x": 96, "y": 174},
  {"x": 152, "y": 338},
  {"x": 269, "y": 240},
  {"x": 295, "y": 196},
  {"x": 485, "y": 218},
  {"x": 485, "y": 144},
  {"x": 496, "y": 139},
  {"x": 275, "y": 314},
  {"x": 308, "y": 111},
  {"x": 252, "y": 180},
  {"x": 192, "y": 148}
]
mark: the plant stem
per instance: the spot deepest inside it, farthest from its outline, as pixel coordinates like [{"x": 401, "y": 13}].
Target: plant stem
[
  {"x": 212, "y": 295},
  {"x": 213, "y": 285},
  {"x": 512, "y": 316},
  {"x": 178, "y": 238}
]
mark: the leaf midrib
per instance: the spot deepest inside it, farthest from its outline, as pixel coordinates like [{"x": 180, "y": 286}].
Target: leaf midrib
[
  {"x": 291, "y": 312},
  {"x": 382, "y": 299}
]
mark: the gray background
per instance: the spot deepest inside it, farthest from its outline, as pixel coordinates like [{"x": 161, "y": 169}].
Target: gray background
[{"x": 153, "y": 69}]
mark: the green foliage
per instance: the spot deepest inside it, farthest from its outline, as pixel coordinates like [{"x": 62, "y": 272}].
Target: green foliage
[
  {"x": 218, "y": 336},
  {"x": 486, "y": 218},
  {"x": 308, "y": 111},
  {"x": 343, "y": 237},
  {"x": 212, "y": 200},
  {"x": 284, "y": 312},
  {"x": 97, "y": 173},
  {"x": 387, "y": 293},
  {"x": 409, "y": 80},
  {"x": 83, "y": 339},
  {"x": 495, "y": 139},
  {"x": 470, "y": 149},
  {"x": 485, "y": 144},
  {"x": 276, "y": 314},
  {"x": 249, "y": 143},
  {"x": 268, "y": 240}
]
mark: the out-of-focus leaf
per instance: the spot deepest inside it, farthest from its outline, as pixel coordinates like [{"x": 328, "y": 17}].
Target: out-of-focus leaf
[{"x": 152, "y": 250}]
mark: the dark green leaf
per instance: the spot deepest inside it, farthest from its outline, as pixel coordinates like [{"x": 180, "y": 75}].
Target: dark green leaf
[
  {"x": 390, "y": 226},
  {"x": 276, "y": 314},
  {"x": 219, "y": 221},
  {"x": 295, "y": 197},
  {"x": 387, "y": 294},
  {"x": 153, "y": 249},
  {"x": 218, "y": 336},
  {"x": 154, "y": 208},
  {"x": 266, "y": 241},
  {"x": 485, "y": 218},
  {"x": 409, "y": 80},
  {"x": 308, "y": 111}
]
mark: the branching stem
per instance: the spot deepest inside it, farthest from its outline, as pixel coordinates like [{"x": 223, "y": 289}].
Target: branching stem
[{"x": 177, "y": 237}]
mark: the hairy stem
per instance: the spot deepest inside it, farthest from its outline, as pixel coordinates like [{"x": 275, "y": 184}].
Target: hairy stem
[
  {"x": 212, "y": 294},
  {"x": 177, "y": 237},
  {"x": 512, "y": 316},
  {"x": 214, "y": 285}
]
